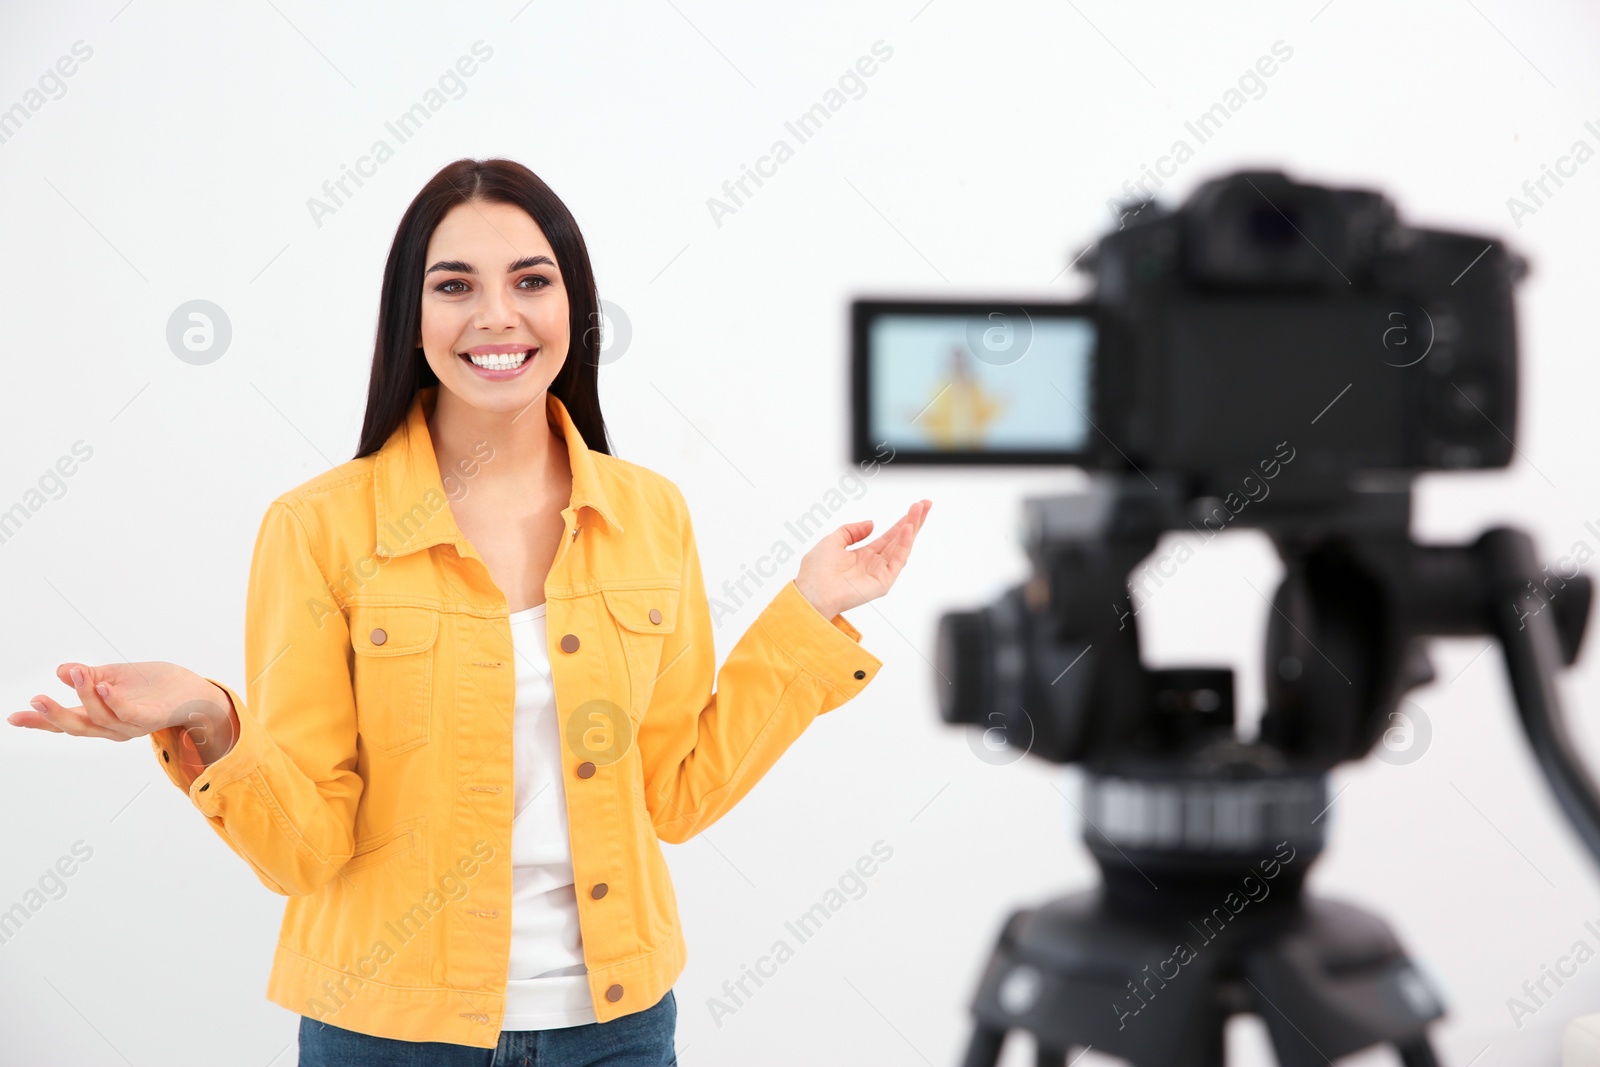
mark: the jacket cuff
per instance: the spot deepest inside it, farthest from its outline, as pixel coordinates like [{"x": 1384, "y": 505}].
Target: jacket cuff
[
  {"x": 827, "y": 649},
  {"x": 204, "y": 789}
]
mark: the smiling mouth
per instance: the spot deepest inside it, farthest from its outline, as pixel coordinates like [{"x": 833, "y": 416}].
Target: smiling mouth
[{"x": 499, "y": 360}]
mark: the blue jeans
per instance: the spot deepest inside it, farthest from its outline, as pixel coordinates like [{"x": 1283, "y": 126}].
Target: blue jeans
[{"x": 643, "y": 1039}]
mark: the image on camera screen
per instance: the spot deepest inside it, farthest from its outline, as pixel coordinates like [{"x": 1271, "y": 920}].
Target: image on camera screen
[{"x": 998, "y": 379}]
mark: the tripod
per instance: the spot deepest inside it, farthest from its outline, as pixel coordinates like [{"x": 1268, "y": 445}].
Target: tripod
[
  {"x": 1155, "y": 980},
  {"x": 1204, "y": 841}
]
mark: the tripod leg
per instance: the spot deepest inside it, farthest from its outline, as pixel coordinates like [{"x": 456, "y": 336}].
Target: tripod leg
[
  {"x": 984, "y": 1048},
  {"x": 1417, "y": 1053}
]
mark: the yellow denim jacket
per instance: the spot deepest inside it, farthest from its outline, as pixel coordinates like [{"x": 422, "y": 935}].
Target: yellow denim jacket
[{"x": 371, "y": 781}]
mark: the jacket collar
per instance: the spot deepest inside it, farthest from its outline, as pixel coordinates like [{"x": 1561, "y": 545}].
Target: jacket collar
[{"x": 413, "y": 511}]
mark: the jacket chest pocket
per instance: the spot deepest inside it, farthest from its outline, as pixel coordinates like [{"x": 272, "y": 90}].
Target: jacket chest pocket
[
  {"x": 644, "y": 617},
  {"x": 393, "y": 674}
]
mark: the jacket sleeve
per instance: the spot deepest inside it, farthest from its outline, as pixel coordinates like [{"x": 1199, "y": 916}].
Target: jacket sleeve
[
  {"x": 284, "y": 796},
  {"x": 703, "y": 750}
]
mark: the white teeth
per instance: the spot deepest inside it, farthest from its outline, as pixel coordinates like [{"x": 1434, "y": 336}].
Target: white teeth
[{"x": 500, "y": 361}]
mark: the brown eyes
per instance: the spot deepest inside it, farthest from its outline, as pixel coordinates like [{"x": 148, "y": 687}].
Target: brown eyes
[{"x": 444, "y": 287}]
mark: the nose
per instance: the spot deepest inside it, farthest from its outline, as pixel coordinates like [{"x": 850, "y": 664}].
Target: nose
[{"x": 495, "y": 310}]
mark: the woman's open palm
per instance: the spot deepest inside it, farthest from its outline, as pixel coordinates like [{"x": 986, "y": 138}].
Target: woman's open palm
[
  {"x": 120, "y": 701},
  {"x": 834, "y": 577}
]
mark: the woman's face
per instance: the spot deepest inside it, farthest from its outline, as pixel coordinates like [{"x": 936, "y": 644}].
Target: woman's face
[{"x": 492, "y": 286}]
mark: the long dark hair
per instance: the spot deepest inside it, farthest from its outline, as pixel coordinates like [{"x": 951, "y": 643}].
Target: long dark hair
[{"x": 399, "y": 369}]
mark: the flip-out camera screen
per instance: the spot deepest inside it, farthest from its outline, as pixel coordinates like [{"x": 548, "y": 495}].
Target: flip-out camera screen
[{"x": 972, "y": 382}]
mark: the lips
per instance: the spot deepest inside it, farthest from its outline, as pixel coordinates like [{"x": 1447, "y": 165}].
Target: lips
[
  {"x": 501, "y": 366},
  {"x": 503, "y": 360}
]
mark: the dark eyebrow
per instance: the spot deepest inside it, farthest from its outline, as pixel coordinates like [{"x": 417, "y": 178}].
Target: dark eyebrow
[{"x": 457, "y": 266}]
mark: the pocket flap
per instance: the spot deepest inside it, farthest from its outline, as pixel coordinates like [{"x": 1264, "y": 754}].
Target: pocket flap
[
  {"x": 392, "y": 629},
  {"x": 383, "y": 847},
  {"x": 632, "y": 608}
]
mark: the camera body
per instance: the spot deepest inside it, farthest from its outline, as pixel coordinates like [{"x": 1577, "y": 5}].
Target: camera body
[
  {"x": 1267, "y": 311},
  {"x": 1264, "y": 318}
]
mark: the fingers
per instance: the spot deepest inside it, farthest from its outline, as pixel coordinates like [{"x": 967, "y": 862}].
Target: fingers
[
  {"x": 899, "y": 549},
  {"x": 886, "y": 540},
  {"x": 852, "y": 534},
  {"x": 83, "y": 678},
  {"x": 33, "y": 720},
  {"x": 916, "y": 513},
  {"x": 70, "y": 720},
  {"x": 855, "y": 531},
  {"x": 905, "y": 530},
  {"x": 895, "y": 542},
  {"x": 902, "y": 550},
  {"x": 919, "y": 512}
]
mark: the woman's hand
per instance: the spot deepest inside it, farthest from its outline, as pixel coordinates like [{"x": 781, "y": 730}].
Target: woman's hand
[
  {"x": 835, "y": 578},
  {"x": 122, "y": 701}
]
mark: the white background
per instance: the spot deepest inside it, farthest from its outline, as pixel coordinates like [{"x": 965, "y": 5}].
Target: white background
[{"x": 178, "y": 164}]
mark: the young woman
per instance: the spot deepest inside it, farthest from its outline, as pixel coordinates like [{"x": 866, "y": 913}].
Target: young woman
[{"x": 481, "y": 678}]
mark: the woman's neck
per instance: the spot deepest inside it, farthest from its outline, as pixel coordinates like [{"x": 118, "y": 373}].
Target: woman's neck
[{"x": 507, "y": 455}]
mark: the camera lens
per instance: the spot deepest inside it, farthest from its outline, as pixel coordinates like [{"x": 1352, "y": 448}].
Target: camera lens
[{"x": 959, "y": 660}]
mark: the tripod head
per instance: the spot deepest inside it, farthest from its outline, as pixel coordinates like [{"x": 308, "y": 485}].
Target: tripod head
[
  {"x": 1054, "y": 663},
  {"x": 1054, "y": 666}
]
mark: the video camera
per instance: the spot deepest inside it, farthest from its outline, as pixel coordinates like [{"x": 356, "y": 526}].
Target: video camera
[
  {"x": 1216, "y": 332},
  {"x": 1272, "y": 355}
]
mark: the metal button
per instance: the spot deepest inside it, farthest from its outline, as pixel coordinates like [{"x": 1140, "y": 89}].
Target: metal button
[
  {"x": 569, "y": 643},
  {"x": 614, "y": 994},
  {"x": 599, "y": 890},
  {"x": 585, "y": 769},
  {"x": 861, "y": 674},
  {"x": 379, "y": 637},
  {"x": 655, "y": 616}
]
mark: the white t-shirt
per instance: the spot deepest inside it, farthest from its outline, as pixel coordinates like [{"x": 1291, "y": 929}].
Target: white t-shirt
[{"x": 547, "y": 986}]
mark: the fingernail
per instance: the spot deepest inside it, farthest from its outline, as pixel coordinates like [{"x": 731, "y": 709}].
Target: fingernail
[
  {"x": 103, "y": 689},
  {"x": 38, "y": 705},
  {"x": 77, "y": 678}
]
